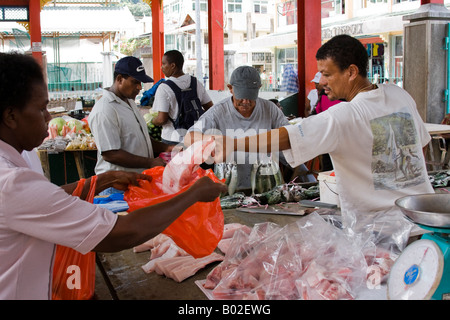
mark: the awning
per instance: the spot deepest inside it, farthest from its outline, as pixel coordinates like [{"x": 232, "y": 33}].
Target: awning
[{"x": 366, "y": 40}]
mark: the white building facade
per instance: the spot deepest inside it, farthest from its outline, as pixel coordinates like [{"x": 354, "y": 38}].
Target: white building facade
[{"x": 263, "y": 33}]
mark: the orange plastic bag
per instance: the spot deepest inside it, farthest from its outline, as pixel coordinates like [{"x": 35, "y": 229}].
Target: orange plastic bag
[
  {"x": 199, "y": 229},
  {"x": 73, "y": 272}
]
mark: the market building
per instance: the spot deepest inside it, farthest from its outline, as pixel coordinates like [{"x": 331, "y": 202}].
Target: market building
[
  {"x": 379, "y": 26},
  {"x": 262, "y": 34},
  {"x": 78, "y": 56},
  {"x": 276, "y": 243}
]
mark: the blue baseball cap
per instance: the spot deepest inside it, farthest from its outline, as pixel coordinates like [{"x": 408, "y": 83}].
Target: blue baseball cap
[{"x": 132, "y": 67}]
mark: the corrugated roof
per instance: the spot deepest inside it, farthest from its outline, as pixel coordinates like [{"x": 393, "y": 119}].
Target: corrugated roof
[
  {"x": 86, "y": 19},
  {"x": 83, "y": 1}
]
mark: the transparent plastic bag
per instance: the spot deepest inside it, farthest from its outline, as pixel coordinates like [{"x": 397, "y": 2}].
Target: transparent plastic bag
[
  {"x": 382, "y": 236},
  {"x": 73, "y": 272},
  {"x": 239, "y": 276},
  {"x": 333, "y": 266},
  {"x": 309, "y": 259}
]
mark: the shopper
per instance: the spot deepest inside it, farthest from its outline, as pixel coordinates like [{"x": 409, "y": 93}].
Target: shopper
[
  {"x": 290, "y": 79},
  {"x": 313, "y": 95},
  {"x": 165, "y": 99}
]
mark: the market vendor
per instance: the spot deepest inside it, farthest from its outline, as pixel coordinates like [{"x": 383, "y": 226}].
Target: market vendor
[
  {"x": 119, "y": 129},
  {"x": 244, "y": 113},
  {"x": 375, "y": 138},
  {"x": 36, "y": 214}
]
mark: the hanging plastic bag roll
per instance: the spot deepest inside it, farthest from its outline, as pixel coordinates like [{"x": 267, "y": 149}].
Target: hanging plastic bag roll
[{"x": 199, "y": 229}]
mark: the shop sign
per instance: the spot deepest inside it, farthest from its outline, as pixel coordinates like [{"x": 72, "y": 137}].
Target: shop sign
[{"x": 351, "y": 29}]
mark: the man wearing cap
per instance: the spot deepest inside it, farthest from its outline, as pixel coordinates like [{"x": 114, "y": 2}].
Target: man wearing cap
[
  {"x": 322, "y": 103},
  {"x": 119, "y": 130},
  {"x": 240, "y": 115},
  {"x": 313, "y": 95}
]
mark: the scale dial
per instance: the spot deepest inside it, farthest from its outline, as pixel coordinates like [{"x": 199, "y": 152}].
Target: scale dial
[{"x": 417, "y": 272}]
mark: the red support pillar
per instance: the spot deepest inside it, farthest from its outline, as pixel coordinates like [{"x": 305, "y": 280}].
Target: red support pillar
[
  {"x": 422, "y": 2},
  {"x": 35, "y": 29},
  {"x": 215, "y": 40},
  {"x": 157, "y": 38},
  {"x": 309, "y": 39}
]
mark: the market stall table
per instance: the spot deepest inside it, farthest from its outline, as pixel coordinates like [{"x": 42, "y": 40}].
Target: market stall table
[
  {"x": 68, "y": 166},
  {"x": 120, "y": 276}
]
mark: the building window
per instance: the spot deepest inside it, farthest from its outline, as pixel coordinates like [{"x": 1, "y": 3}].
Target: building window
[
  {"x": 371, "y": 3},
  {"x": 260, "y": 6},
  {"x": 331, "y": 8},
  {"x": 287, "y": 56},
  {"x": 262, "y": 57},
  {"x": 181, "y": 46},
  {"x": 234, "y": 5},
  {"x": 175, "y": 7},
  {"x": 375, "y": 51},
  {"x": 287, "y": 13},
  {"x": 203, "y": 5},
  {"x": 398, "y": 59},
  {"x": 169, "y": 41}
]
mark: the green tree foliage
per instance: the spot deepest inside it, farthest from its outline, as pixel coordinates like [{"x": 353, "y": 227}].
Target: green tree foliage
[
  {"x": 138, "y": 8},
  {"x": 129, "y": 46}
]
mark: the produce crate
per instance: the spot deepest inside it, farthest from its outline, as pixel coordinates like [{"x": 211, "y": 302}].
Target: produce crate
[
  {"x": 67, "y": 103},
  {"x": 68, "y": 166}
]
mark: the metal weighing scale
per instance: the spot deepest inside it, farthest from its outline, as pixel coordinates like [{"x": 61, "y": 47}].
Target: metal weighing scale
[{"x": 422, "y": 271}]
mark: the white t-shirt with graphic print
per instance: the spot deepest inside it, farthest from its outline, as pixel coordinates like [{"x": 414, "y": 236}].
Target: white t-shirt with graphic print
[{"x": 375, "y": 142}]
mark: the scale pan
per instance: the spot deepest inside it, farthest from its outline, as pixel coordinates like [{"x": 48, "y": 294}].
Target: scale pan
[{"x": 431, "y": 209}]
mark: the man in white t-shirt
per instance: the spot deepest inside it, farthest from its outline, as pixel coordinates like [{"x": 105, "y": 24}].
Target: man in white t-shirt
[
  {"x": 165, "y": 100},
  {"x": 375, "y": 138}
]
